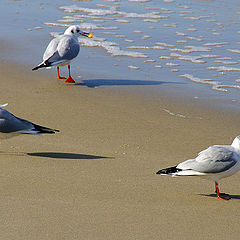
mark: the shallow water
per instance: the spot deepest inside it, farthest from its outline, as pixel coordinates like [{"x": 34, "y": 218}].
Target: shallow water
[{"x": 191, "y": 42}]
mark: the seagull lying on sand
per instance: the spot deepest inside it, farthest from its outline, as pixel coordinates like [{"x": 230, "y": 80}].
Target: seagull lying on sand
[
  {"x": 214, "y": 163},
  {"x": 11, "y": 125},
  {"x": 62, "y": 49}
]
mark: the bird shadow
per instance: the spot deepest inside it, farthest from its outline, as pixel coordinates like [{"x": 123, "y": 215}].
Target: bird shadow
[
  {"x": 91, "y": 83},
  {"x": 61, "y": 155},
  {"x": 215, "y": 196}
]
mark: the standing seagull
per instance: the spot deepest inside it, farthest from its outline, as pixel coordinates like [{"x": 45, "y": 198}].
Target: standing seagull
[
  {"x": 11, "y": 126},
  {"x": 214, "y": 163},
  {"x": 62, "y": 49}
]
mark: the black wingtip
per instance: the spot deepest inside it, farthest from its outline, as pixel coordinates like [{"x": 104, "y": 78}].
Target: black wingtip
[
  {"x": 43, "y": 130},
  {"x": 159, "y": 172},
  {"x": 168, "y": 170},
  {"x": 41, "y": 65},
  {"x": 49, "y": 130},
  {"x": 36, "y": 68}
]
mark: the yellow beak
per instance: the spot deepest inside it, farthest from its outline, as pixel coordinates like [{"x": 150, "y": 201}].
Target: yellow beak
[{"x": 90, "y": 35}]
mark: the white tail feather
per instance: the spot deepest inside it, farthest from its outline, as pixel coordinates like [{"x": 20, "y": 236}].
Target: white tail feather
[{"x": 188, "y": 173}]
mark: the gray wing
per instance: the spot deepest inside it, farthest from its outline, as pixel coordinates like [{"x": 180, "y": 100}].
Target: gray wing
[
  {"x": 9, "y": 123},
  {"x": 60, "y": 49},
  {"x": 214, "y": 159},
  {"x": 51, "y": 48}
]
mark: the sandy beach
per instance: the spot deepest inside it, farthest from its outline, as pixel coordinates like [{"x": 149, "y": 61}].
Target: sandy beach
[{"x": 96, "y": 178}]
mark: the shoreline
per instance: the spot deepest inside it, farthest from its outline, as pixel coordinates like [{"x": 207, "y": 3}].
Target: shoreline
[
  {"x": 179, "y": 107},
  {"x": 185, "y": 92},
  {"x": 96, "y": 178}
]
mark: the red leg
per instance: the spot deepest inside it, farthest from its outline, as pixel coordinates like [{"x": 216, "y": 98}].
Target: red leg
[
  {"x": 69, "y": 79},
  {"x": 220, "y": 195},
  {"x": 59, "y": 74}
]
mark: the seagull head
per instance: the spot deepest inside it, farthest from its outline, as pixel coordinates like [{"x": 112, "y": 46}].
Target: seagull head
[
  {"x": 75, "y": 30},
  {"x": 236, "y": 142}
]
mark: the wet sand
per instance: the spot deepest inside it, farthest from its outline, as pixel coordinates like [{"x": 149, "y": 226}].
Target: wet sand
[{"x": 96, "y": 178}]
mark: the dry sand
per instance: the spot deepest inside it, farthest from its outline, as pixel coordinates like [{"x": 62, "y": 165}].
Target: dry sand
[{"x": 96, "y": 178}]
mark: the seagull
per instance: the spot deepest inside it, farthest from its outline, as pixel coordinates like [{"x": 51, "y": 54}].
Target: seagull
[
  {"x": 213, "y": 163},
  {"x": 62, "y": 49},
  {"x": 11, "y": 125}
]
